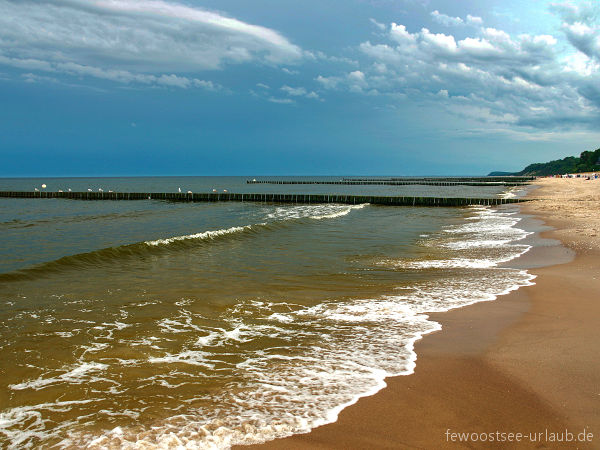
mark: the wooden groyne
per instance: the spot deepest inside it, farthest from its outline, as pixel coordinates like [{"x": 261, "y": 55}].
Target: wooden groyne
[
  {"x": 265, "y": 198},
  {"x": 393, "y": 182},
  {"x": 492, "y": 179}
]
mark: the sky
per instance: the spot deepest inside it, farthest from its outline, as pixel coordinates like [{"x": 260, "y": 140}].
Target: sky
[{"x": 275, "y": 87}]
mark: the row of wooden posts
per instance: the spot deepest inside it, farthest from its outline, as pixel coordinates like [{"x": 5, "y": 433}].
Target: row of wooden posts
[
  {"x": 393, "y": 182},
  {"x": 507, "y": 179},
  {"x": 264, "y": 197}
]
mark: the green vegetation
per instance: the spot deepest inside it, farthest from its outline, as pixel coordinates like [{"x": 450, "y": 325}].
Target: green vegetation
[
  {"x": 500, "y": 174},
  {"x": 587, "y": 162}
]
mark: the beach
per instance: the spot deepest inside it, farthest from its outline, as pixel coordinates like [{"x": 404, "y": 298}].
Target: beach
[{"x": 519, "y": 372}]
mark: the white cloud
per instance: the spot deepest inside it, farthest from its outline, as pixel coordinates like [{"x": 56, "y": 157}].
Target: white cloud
[
  {"x": 490, "y": 76},
  {"x": 385, "y": 54},
  {"x": 446, "y": 20},
  {"x": 401, "y": 35},
  {"x": 354, "y": 81},
  {"x": 209, "y": 85},
  {"x": 357, "y": 76},
  {"x": 147, "y": 41},
  {"x": 117, "y": 75},
  {"x": 477, "y": 46},
  {"x": 449, "y": 21},
  {"x": 438, "y": 42},
  {"x": 498, "y": 36},
  {"x": 581, "y": 64},
  {"x": 474, "y": 20},
  {"x": 288, "y": 71},
  {"x": 379, "y": 67},
  {"x": 283, "y": 101},
  {"x": 299, "y": 92},
  {"x": 580, "y": 25},
  {"x": 328, "y": 82},
  {"x": 33, "y": 78},
  {"x": 294, "y": 91},
  {"x": 379, "y": 25}
]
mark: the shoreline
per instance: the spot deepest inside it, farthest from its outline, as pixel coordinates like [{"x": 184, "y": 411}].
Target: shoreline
[{"x": 523, "y": 363}]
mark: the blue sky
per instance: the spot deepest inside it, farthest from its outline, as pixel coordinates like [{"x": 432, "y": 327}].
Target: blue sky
[{"x": 232, "y": 87}]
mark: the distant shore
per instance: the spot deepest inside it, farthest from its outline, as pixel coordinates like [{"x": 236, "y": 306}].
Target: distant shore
[{"x": 519, "y": 372}]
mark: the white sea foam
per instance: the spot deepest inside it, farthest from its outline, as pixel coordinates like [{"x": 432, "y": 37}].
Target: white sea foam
[
  {"x": 441, "y": 263},
  {"x": 320, "y": 211},
  {"x": 345, "y": 211},
  {"x": 76, "y": 375},
  {"x": 205, "y": 235},
  {"x": 281, "y": 317},
  {"x": 65, "y": 334},
  {"x": 211, "y": 339},
  {"x": 195, "y": 358},
  {"x": 24, "y": 424},
  {"x": 508, "y": 194},
  {"x": 512, "y": 192}
]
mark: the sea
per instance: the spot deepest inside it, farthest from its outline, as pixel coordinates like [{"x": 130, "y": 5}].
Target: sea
[{"x": 153, "y": 324}]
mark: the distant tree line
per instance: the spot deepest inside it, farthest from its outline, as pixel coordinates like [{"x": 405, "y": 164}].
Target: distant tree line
[{"x": 586, "y": 162}]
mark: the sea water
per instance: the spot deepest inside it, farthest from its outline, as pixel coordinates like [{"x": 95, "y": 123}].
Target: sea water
[{"x": 157, "y": 324}]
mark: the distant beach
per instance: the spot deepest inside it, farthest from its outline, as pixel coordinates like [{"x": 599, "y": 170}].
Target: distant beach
[{"x": 519, "y": 372}]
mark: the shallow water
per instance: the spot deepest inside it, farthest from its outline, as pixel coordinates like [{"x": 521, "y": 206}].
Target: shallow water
[{"x": 162, "y": 324}]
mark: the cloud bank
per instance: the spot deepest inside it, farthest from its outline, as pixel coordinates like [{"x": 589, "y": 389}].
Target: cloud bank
[{"x": 535, "y": 81}]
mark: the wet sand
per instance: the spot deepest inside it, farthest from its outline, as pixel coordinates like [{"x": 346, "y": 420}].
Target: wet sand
[{"x": 526, "y": 363}]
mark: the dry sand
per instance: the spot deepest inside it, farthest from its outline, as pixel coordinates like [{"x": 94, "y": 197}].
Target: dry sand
[
  {"x": 572, "y": 205},
  {"x": 528, "y": 362}
]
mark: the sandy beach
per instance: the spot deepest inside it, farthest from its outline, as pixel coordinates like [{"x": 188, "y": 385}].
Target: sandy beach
[{"x": 526, "y": 363}]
